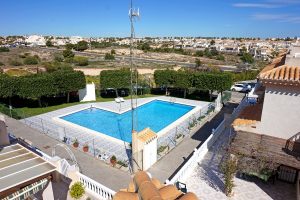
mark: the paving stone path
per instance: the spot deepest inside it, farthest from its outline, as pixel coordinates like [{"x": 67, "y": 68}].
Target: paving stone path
[{"x": 206, "y": 180}]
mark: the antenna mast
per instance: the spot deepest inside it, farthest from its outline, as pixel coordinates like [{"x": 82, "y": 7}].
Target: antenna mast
[{"x": 133, "y": 14}]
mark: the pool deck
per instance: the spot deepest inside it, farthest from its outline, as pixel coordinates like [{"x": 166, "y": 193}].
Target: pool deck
[
  {"x": 52, "y": 125},
  {"x": 111, "y": 177}
]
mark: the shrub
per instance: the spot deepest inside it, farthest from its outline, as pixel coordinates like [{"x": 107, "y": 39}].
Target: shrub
[
  {"x": 220, "y": 57},
  {"x": 199, "y": 53},
  {"x": 68, "y": 53},
  {"x": 109, "y": 56},
  {"x": 81, "y": 46},
  {"x": 77, "y": 190},
  {"x": 15, "y": 62},
  {"x": 4, "y": 49},
  {"x": 112, "y": 52},
  {"x": 31, "y": 60},
  {"x": 81, "y": 61},
  {"x": 13, "y": 113},
  {"x": 1, "y": 64},
  {"x": 229, "y": 168},
  {"x": 58, "y": 57}
]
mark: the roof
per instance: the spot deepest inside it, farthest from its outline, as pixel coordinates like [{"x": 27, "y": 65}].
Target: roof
[
  {"x": 19, "y": 166},
  {"x": 280, "y": 60},
  {"x": 282, "y": 74},
  {"x": 151, "y": 189},
  {"x": 146, "y": 135}
]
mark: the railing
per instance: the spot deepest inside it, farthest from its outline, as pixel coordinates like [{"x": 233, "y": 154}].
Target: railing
[
  {"x": 184, "y": 129},
  {"x": 199, "y": 153},
  {"x": 45, "y": 156},
  {"x": 95, "y": 188}
]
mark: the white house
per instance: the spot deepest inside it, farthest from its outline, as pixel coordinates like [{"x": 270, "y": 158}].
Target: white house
[{"x": 36, "y": 40}]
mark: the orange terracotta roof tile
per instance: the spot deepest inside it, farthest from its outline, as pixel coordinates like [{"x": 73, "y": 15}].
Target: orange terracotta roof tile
[
  {"x": 284, "y": 73},
  {"x": 146, "y": 135}
]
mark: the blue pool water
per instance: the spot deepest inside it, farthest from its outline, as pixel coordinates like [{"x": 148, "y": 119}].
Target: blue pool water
[{"x": 155, "y": 114}]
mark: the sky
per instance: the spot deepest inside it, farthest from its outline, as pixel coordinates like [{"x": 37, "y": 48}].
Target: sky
[{"x": 109, "y": 18}]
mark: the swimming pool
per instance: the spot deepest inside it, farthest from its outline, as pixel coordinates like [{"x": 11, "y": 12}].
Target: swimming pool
[{"x": 156, "y": 114}]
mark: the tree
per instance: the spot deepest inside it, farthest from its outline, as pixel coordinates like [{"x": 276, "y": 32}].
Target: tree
[
  {"x": 36, "y": 86},
  {"x": 145, "y": 46},
  {"x": 68, "y": 53},
  {"x": 247, "y": 58},
  {"x": 115, "y": 78},
  {"x": 81, "y": 46},
  {"x": 212, "y": 42},
  {"x": 69, "y": 46},
  {"x": 183, "y": 80},
  {"x": 8, "y": 86},
  {"x": 68, "y": 81},
  {"x": 109, "y": 56},
  {"x": 49, "y": 43}
]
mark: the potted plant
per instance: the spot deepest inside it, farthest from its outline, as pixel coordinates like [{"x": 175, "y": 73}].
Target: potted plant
[
  {"x": 113, "y": 160},
  {"x": 77, "y": 190},
  {"x": 85, "y": 148},
  {"x": 162, "y": 149},
  {"x": 75, "y": 143},
  {"x": 121, "y": 165},
  {"x": 178, "y": 138}
]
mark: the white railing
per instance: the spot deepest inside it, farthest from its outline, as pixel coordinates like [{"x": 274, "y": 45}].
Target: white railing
[
  {"x": 199, "y": 154},
  {"x": 45, "y": 156},
  {"x": 95, "y": 188}
]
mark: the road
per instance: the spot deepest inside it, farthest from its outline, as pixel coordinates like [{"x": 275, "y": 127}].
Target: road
[{"x": 140, "y": 60}]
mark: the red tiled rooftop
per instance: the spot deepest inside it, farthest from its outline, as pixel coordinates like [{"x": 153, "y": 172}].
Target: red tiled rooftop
[{"x": 284, "y": 73}]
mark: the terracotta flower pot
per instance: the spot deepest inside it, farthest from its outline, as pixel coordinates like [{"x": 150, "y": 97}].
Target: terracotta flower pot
[
  {"x": 76, "y": 144},
  {"x": 113, "y": 163},
  {"x": 85, "y": 149}
]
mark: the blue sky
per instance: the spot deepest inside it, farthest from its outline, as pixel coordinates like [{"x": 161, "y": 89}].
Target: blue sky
[{"x": 249, "y": 18}]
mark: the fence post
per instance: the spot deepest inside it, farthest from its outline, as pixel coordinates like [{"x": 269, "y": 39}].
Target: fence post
[
  {"x": 42, "y": 125},
  {"x": 94, "y": 148}
]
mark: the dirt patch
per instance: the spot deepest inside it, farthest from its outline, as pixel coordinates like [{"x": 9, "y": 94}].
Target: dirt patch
[{"x": 96, "y": 71}]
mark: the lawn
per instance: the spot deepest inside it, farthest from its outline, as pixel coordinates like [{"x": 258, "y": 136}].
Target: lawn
[{"x": 28, "y": 112}]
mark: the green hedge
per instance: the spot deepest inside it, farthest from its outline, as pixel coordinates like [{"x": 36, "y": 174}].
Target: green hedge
[
  {"x": 115, "y": 78},
  {"x": 39, "y": 85},
  {"x": 187, "y": 79}
]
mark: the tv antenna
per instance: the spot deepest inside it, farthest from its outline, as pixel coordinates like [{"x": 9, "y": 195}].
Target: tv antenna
[{"x": 133, "y": 15}]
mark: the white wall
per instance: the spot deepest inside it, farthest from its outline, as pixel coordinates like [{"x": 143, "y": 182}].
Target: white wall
[
  {"x": 88, "y": 93},
  {"x": 150, "y": 154},
  {"x": 281, "y": 111}
]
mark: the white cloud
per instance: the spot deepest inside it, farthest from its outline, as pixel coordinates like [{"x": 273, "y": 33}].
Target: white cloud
[
  {"x": 255, "y": 5},
  {"x": 278, "y": 17},
  {"x": 267, "y": 4}
]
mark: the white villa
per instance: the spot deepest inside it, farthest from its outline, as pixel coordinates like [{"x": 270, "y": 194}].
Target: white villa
[
  {"x": 36, "y": 40},
  {"x": 270, "y": 128}
]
